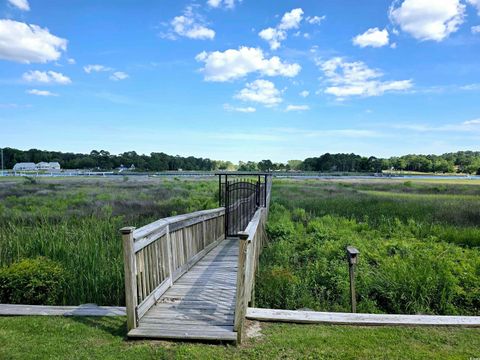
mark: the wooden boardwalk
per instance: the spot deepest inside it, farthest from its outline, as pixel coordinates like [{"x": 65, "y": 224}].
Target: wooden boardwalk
[
  {"x": 200, "y": 305},
  {"x": 186, "y": 278}
]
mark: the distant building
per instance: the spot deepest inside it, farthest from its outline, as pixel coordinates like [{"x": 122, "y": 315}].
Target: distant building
[
  {"x": 48, "y": 166},
  {"x": 26, "y": 166},
  {"x": 29, "y": 166},
  {"x": 54, "y": 165}
]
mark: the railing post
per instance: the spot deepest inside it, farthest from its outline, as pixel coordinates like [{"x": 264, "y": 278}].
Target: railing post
[
  {"x": 240, "y": 305},
  {"x": 130, "y": 277},
  {"x": 169, "y": 255}
]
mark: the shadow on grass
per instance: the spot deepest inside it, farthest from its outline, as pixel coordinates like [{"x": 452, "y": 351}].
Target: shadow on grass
[{"x": 112, "y": 325}]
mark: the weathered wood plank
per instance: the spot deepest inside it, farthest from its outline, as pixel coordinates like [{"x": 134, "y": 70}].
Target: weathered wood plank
[
  {"x": 130, "y": 268},
  {"x": 44, "y": 310},
  {"x": 313, "y": 317},
  {"x": 190, "y": 335}
]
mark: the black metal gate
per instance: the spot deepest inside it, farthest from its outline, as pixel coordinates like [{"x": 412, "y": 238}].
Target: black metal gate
[{"x": 241, "y": 198}]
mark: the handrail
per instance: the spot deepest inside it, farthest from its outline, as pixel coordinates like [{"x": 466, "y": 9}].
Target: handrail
[
  {"x": 157, "y": 254},
  {"x": 252, "y": 240}
]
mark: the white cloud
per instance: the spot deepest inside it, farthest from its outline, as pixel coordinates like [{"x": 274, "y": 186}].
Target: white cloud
[
  {"x": 248, "y": 109},
  {"x": 233, "y": 64},
  {"x": 472, "y": 122},
  {"x": 470, "y": 87},
  {"x": 476, "y": 29},
  {"x": 118, "y": 75},
  {"x": 297, "y": 108},
  {"x": 315, "y": 19},
  {"x": 71, "y": 61},
  {"x": 373, "y": 37},
  {"x": 304, "y": 93},
  {"x": 475, "y": 3},
  {"x": 21, "y": 4},
  {"x": 96, "y": 68},
  {"x": 41, "y": 92},
  {"x": 229, "y": 4},
  {"x": 47, "y": 77},
  {"x": 29, "y": 43},
  {"x": 357, "y": 79},
  {"x": 190, "y": 25},
  {"x": 291, "y": 20},
  {"x": 260, "y": 91},
  {"x": 274, "y": 36},
  {"x": 428, "y": 19}
]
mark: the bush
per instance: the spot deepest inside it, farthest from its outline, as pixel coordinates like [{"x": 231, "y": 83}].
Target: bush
[{"x": 38, "y": 281}]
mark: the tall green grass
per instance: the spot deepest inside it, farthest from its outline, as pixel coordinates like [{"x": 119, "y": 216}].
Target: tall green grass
[
  {"x": 76, "y": 222},
  {"x": 419, "y": 252}
]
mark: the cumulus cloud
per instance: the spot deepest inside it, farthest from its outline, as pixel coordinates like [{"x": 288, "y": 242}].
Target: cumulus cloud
[
  {"x": 275, "y": 36},
  {"x": 27, "y": 44},
  {"x": 346, "y": 79},
  {"x": 475, "y": 3},
  {"x": 96, "y": 68},
  {"x": 229, "y": 4},
  {"x": 21, "y": 4},
  {"x": 190, "y": 25},
  {"x": 428, "y": 19},
  {"x": 248, "y": 109},
  {"x": 373, "y": 37},
  {"x": 315, "y": 20},
  {"x": 260, "y": 91},
  {"x": 40, "y": 92},
  {"x": 46, "y": 77},
  {"x": 297, "y": 108},
  {"x": 71, "y": 61},
  {"x": 304, "y": 93},
  {"x": 233, "y": 64},
  {"x": 476, "y": 29},
  {"x": 118, "y": 75}
]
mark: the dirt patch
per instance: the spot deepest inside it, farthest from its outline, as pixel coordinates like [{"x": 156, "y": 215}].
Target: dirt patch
[{"x": 253, "y": 330}]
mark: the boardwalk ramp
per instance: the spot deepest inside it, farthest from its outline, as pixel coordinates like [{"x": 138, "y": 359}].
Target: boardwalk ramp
[{"x": 186, "y": 280}]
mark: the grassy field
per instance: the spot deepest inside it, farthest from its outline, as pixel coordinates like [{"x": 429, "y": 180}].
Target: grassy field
[
  {"x": 419, "y": 239},
  {"x": 76, "y": 221},
  {"x": 419, "y": 244},
  {"x": 92, "y": 338}
]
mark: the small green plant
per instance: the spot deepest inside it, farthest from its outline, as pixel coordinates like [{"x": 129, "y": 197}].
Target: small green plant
[
  {"x": 38, "y": 281},
  {"x": 30, "y": 180}
]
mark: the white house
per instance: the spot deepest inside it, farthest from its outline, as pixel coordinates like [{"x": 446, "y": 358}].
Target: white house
[
  {"x": 26, "y": 166},
  {"x": 48, "y": 166},
  {"x": 42, "y": 165}
]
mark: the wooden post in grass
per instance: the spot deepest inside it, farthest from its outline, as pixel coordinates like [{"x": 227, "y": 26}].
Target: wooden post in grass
[
  {"x": 352, "y": 257},
  {"x": 130, "y": 277}
]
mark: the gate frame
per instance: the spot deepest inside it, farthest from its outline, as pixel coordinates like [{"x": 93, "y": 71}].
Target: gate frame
[{"x": 223, "y": 183}]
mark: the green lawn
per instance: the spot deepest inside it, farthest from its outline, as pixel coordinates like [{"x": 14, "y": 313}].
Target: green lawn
[{"x": 94, "y": 338}]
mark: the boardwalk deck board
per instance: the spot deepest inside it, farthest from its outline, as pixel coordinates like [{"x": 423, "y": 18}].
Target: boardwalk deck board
[{"x": 200, "y": 305}]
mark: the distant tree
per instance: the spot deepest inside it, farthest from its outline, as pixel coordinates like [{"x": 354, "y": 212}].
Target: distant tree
[
  {"x": 265, "y": 165},
  {"x": 294, "y": 164}
]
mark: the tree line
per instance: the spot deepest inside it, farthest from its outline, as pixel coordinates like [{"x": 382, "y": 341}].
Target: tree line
[{"x": 461, "y": 162}]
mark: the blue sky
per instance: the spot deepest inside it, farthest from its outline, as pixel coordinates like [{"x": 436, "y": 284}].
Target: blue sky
[{"x": 241, "y": 80}]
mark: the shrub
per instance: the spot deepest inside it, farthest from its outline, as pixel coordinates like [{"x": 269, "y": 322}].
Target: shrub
[{"x": 38, "y": 281}]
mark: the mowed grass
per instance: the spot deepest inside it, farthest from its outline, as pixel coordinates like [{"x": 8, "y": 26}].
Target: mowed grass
[
  {"x": 419, "y": 245},
  {"x": 104, "y": 338},
  {"x": 76, "y": 221}
]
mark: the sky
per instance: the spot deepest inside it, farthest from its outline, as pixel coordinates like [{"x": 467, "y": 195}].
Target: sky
[{"x": 241, "y": 79}]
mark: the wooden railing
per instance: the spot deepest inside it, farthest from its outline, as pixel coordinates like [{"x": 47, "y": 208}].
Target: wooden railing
[
  {"x": 159, "y": 253},
  {"x": 252, "y": 240}
]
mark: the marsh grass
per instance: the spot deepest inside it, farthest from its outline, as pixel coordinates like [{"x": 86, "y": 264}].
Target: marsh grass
[
  {"x": 419, "y": 247},
  {"x": 75, "y": 221}
]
